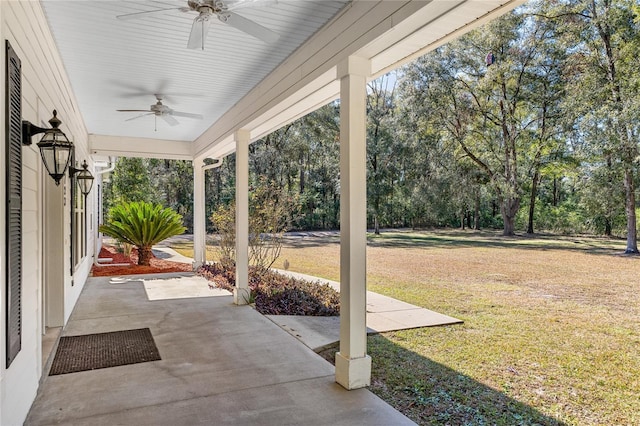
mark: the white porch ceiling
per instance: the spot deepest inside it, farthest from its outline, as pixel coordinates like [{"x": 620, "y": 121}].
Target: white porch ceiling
[
  {"x": 237, "y": 82},
  {"x": 115, "y": 64}
]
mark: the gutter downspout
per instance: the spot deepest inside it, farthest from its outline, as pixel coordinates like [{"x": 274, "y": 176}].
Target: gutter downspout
[{"x": 214, "y": 165}]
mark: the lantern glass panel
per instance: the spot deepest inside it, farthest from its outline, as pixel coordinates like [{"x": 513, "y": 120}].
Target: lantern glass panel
[{"x": 55, "y": 150}]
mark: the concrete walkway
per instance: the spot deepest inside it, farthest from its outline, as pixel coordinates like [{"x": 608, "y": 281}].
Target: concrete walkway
[
  {"x": 167, "y": 253},
  {"x": 221, "y": 365},
  {"x": 383, "y": 313}
]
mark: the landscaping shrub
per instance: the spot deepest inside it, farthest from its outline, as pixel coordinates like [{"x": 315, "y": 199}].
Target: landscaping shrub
[
  {"x": 271, "y": 210},
  {"x": 276, "y": 294},
  {"x": 222, "y": 276},
  {"x": 142, "y": 225}
]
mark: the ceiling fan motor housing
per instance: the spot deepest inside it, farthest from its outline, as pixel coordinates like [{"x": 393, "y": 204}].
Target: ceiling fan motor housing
[
  {"x": 159, "y": 108},
  {"x": 207, "y": 6}
]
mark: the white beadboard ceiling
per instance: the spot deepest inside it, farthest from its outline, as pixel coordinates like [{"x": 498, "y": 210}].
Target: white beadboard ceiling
[{"x": 116, "y": 64}]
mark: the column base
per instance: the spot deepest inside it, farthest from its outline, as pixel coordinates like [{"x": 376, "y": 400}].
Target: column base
[
  {"x": 196, "y": 265},
  {"x": 353, "y": 373},
  {"x": 241, "y": 296}
]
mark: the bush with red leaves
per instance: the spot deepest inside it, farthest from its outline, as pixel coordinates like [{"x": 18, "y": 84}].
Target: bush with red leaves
[{"x": 276, "y": 294}]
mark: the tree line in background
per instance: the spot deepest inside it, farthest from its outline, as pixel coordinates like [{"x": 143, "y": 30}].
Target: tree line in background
[{"x": 528, "y": 123}]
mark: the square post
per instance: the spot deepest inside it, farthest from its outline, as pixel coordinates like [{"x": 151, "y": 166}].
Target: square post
[
  {"x": 199, "y": 216},
  {"x": 353, "y": 365},
  {"x": 241, "y": 292}
]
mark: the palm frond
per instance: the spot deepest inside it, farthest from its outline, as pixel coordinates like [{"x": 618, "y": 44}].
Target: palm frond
[{"x": 142, "y": 224}]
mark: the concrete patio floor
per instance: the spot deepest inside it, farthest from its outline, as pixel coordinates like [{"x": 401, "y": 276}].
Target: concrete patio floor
[{"x": 221, "y": 365}]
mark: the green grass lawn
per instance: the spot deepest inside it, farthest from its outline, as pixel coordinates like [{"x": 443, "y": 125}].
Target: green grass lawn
[{"x": 551, "y": 331}]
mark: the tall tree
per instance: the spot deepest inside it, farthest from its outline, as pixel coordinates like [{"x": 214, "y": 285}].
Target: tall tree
[
  {"x": 483, "y": 93},
  {"x": 130, "y": 181},
  {"x": 547, "y": 149},
  {"x": 173, "y": 186},
  {"x": 381, "y": 146},
  {"x": 603, "y": 38},
  {"x": 318, "y": 153}
]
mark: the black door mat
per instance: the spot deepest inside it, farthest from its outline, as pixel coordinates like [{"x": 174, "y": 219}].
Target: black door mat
[{"x": 103, "y": 350}]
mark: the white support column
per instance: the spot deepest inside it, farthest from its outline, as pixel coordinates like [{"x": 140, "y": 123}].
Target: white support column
[
  {"x": 353, "y": 365},
  {"x": 199, "y": 216},
  {"x": 241, "y": 292}
]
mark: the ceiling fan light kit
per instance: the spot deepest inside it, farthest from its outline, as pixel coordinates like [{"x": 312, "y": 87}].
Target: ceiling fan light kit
[{"x": 199, "y": 31}]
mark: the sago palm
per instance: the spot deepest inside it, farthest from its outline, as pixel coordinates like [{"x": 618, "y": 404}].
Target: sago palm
[{"x": 142, "y": 225}]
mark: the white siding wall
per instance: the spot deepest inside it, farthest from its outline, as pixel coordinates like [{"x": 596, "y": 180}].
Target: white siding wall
[{"x": 45, "y": 87}]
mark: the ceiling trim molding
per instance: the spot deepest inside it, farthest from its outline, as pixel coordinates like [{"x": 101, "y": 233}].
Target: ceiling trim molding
[{"x": 122, "y": 146}]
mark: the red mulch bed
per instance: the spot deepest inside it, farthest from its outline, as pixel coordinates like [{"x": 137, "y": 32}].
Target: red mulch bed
[{"x": 158, "y": 266}]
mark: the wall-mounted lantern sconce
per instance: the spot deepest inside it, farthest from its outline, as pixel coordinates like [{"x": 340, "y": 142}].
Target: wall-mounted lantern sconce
[
  {"x": 54, "y": 146},
  {"x": 84, "y": 178},
  {"x": 56, "y": 150}
]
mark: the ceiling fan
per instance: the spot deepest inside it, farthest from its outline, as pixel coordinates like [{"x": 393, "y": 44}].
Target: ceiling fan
[
  {"x": 164, "y": 112},
  {"x": 208, "y": 9}
]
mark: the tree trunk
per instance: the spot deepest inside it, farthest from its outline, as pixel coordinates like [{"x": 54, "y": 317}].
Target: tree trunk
[
  {"x": 376, "y": 225},
  {"x": 509, "y": 226},
  {"x": 144, "y": 256},
  {"x": 532, "y": 200},
  {"x": 608, "y": 229},
  {"x": 476, "y": 214},
  {"x": 301, "y": 179},
  {"x": 508, "y": 209},
  {"x": 390, "y": 206},
  {"x": 632, "y": 243},
  {"x": 218, "y": 186},
  {"x": 606, "y": 34}
]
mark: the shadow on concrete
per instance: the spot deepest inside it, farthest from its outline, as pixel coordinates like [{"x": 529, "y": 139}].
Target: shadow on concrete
[{"x": 430, "y": 393}]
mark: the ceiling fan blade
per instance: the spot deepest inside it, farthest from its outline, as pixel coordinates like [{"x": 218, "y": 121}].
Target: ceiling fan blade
[
  {"x": 186, "y": 114},
  {"x": 136, "y": 15},
  {"x": 250, "y": 27},
  {"x": 169, "y": 119},
  {"x": 135, "y": 94},
  {"x": 199, "y": 31},
  {"x": 241, "y": 4},
  {"x": 139, "y": 116},
  {"x": 169, "y": 97},
  {"x": 133, "y": 110}
]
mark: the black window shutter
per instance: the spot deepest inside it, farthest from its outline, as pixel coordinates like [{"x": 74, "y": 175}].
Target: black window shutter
[{"x": 13, "y": 132}]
